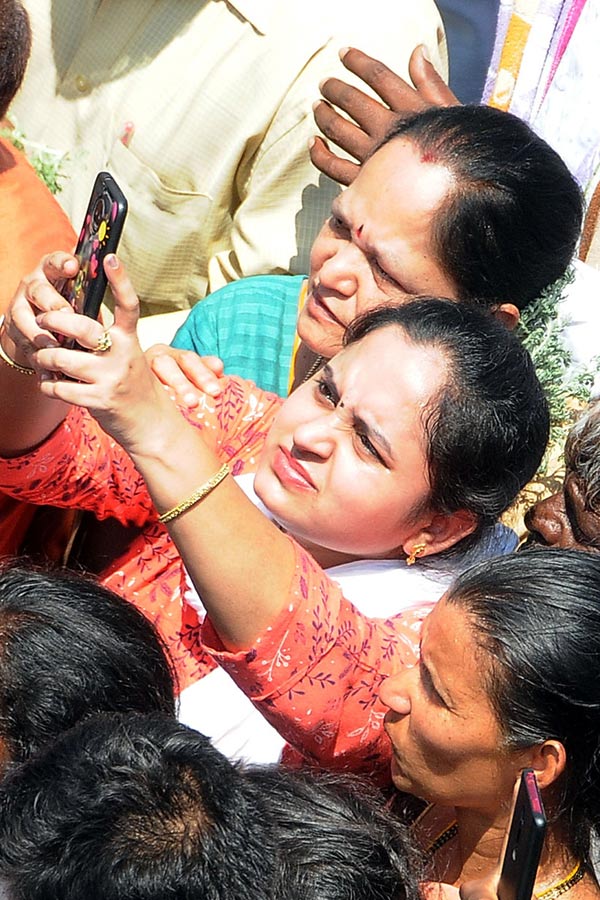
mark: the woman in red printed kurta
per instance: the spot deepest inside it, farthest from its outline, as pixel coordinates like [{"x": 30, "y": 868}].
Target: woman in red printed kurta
[{"x": 348, "y": 464}]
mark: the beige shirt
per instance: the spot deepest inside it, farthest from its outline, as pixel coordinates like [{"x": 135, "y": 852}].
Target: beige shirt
[{"x": 202, "y": 112}]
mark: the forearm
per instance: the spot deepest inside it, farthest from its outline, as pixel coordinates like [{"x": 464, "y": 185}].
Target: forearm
[
  {"x": 239, "y": 562},
  {"x": 26, "y": 417}
]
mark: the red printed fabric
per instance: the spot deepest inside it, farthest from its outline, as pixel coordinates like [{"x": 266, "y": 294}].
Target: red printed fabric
[
  {"x": 80, "y": 467},
  {"x": 315, "y": 674}
]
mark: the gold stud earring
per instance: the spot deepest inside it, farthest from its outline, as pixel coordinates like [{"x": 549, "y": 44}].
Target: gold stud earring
[{"x": 416, "y": 551}]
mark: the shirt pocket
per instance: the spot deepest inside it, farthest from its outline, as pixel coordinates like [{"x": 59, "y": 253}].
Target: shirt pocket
[{"x": 164, "y": 244}]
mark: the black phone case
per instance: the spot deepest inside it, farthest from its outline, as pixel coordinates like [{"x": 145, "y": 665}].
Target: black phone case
[
  {"x": 99, "y": 236},
  {"x": 525, "y": 842}
]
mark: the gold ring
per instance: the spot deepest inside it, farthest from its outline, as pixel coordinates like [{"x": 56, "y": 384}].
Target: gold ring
[{"x": 104, "y": 343}]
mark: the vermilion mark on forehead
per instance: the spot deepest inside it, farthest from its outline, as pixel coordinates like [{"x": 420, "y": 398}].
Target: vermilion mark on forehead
[{"x": 427, "y": 156}]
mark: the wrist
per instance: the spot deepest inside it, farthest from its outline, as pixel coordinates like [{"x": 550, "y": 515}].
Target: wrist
[{"x": 10, "y": 355}]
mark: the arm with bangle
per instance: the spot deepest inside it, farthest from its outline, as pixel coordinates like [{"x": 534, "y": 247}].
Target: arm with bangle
[{"x": 227, "y": 544}]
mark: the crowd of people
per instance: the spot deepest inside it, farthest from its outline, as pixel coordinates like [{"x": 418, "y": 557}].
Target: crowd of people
[{"x": 292, "y": 648}]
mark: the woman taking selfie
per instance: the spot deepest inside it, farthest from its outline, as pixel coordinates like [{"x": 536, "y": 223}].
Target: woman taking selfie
[{"x": 410, "y": 443}]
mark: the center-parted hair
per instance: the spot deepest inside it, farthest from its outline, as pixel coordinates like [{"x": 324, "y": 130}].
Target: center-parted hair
[
  {"x": 536, "y": 618},
  {"x": 487, "y": 429},
  {"x": 510, "y": 224}
]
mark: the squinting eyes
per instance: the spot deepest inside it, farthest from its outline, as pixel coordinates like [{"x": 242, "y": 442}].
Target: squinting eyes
[{"x": 326, "y": 391}]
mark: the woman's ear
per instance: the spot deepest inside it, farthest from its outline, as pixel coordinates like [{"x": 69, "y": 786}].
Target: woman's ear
[
  {"x": 548, "y": 760},
  {"x": 440, "y": 532},
  {"x": 508, "y": 314}
]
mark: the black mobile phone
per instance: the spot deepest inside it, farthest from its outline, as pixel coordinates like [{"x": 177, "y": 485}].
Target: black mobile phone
[
  {"x": 524, "y": 843},
  {"x": 99, "y": 236}
]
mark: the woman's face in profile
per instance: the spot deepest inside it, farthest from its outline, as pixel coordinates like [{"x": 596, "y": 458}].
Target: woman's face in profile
[
  {"x": 447, "y": 744},
  {"x": 377, "y": 246},
  {"x": 344, "y": 465}
]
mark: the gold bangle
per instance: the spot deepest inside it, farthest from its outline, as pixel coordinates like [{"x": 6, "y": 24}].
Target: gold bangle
[
  {"x": 24, "y": 370},
  {"x": 199, "y": 494}
]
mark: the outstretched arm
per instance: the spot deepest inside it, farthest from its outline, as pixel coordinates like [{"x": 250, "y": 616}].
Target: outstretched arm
[
  {"x": 372, "y": 119},
  {"x": 240, "y": 562}
]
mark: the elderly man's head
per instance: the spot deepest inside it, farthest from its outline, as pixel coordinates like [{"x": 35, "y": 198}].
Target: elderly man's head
[{"x": 571, "y": 518}]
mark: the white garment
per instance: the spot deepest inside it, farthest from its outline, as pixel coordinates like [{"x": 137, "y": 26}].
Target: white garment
[{"x": 216, "y": 706}]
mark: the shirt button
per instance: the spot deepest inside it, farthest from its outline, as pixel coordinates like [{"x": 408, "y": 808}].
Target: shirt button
[{"x": 82, "y": 84}]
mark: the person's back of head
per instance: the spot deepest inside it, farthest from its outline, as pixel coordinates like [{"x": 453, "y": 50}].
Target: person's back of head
[
  {"x": 487, "y": 431},
  {"x": 335, "y": 839},
  {"x": 133, "y": 808},
  {"x": 536, "y": 614},
  {"x": 511, "y": 223},
  {"x": 15, "y": 46},
  {"x": 70, "y": 648}
]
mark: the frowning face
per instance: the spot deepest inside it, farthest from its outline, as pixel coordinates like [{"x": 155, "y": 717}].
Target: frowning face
[
  {"x": 446, "y": 741},
  {"x": 376, "y": 247},
  {"x": 344, "y": 466}
]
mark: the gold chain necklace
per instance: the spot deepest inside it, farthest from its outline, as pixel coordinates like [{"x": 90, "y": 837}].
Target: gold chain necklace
[{"x": 551, "y": 893}]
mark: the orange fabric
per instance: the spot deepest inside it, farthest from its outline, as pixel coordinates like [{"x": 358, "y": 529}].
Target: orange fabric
[
  {"x": 32, "y": 219},
  {"x": 34, "y": 224}
]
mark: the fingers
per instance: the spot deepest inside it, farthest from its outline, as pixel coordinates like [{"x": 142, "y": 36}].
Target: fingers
[
  {"x": 187, "y": 374},
  {"x": 127, "y": 305},
  {"x": 429, "y": 84},
  {"x": 85, "y": 331},
  {"x": 370, "y": 116},
  {"x": 341, "y": 170},
  {"x": 398, "y": 94},
  {"x": 481, "y": 889},
  {"x": 59, "y": 265}
]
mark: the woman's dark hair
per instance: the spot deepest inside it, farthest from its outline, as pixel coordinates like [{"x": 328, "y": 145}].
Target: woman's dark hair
[
  {"x": 335, "y": 838},
  {"x": 70, "y": 648},
  {"x": 511, "y": 223},
  {"x": 487, "y": 430},
  {"x": 15, "y": 46},
  {"x": 536, "y": 616}
]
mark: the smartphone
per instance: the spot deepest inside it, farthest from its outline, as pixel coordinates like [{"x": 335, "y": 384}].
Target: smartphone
[
  {"x": 524, "y": 843},
  {"x": 99, "y": 236}
]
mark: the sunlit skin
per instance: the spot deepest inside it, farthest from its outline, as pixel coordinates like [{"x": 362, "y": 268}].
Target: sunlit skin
[
  {"x": 448, "y": 748},
  {"x": 376, "y": 246},
  {"x": 348, "y": 447},
  {"x": 564, "y": 520},
  {"x": 446, "y": 740}
]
